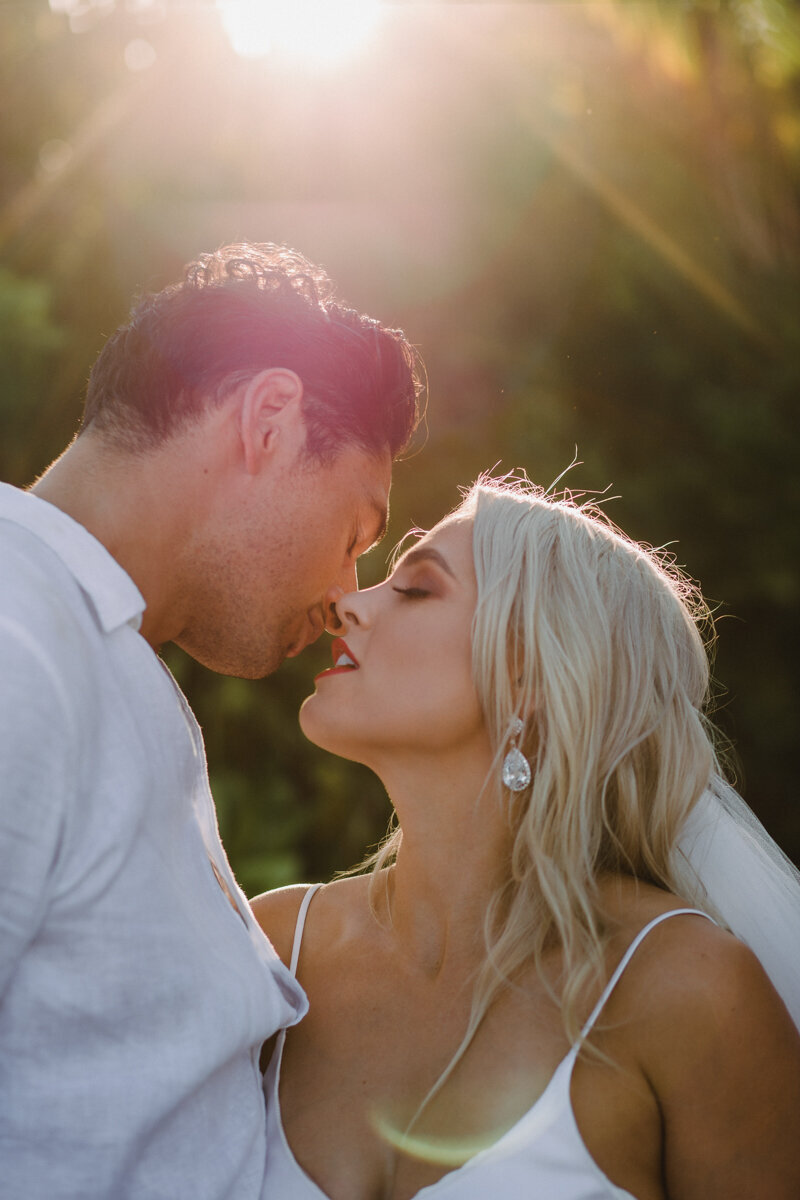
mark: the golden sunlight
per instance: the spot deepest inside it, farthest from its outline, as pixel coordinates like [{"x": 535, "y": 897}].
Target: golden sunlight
[{"x": 320, "y": 30}]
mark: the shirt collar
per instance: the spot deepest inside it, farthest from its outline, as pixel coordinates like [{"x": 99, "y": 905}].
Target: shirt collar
[{"x": 115, "y": 597}]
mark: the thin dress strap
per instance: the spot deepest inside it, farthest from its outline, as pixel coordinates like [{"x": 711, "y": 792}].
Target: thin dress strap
[
  {"x": 628, "y": 955},
  {"x": 301, "y": 924}
]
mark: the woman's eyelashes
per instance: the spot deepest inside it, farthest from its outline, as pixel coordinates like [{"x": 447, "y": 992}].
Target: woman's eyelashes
[
  {"x": 411, "y": 593},
  {"x": 422, "y": 582}
]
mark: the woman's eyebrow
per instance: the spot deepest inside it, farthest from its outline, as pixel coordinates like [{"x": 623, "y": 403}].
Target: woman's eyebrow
[{"x": 421, "y": 554}]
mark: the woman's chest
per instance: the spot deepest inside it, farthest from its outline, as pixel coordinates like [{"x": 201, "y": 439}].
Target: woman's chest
[
  {"x": 376, "y": 1110},
  {"x": 381, "y": 1097},
  {"x": 345, "y": 1149}
]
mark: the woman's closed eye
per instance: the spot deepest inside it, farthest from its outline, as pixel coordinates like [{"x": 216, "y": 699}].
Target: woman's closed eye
[{"x": 412, "y": 593}]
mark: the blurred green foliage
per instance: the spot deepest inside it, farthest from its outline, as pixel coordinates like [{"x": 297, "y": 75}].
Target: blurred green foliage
[{"x": 585, "y": 214}]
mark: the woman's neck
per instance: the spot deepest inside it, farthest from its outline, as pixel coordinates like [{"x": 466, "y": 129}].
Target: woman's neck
[{"x": 440, "y": 887}]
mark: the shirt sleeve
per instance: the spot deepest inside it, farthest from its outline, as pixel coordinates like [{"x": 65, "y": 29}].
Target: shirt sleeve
[{"x": 38, "y": 771}]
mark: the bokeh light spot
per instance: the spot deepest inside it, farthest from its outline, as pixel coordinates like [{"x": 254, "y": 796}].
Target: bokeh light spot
[
  {"x": 139, "y": 55},
  {"x": 54, "y": 156}
]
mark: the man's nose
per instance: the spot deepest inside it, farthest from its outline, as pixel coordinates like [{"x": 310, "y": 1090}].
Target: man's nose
[
  {"x": 350, "y": 610},
  {"x": 333, "y": 622},
  {"x": 347, "y": 582}
]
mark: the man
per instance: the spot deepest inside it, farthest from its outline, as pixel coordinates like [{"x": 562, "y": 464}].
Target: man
[{"x": 233, "y": 462}]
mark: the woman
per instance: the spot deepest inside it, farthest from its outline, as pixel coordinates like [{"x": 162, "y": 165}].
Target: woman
[{"x": 516, "y": 1002}]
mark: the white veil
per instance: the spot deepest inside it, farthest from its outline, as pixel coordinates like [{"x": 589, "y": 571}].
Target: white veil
[{"x": 746, "y": 881}]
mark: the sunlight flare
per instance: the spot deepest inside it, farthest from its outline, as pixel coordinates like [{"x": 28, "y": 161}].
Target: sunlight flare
[{"x": 320, "y": 30}]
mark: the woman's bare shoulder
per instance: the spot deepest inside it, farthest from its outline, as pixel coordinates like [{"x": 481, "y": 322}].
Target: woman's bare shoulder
[
  {"x": 688, "y": 970},
  {"x": 701, "y": 978},
  {"x": 695, "y": 1018},
  {"x": 277, "y": 911},
  {"x": 723, "y": 1058},
  {"x": 691, "y": 964}
]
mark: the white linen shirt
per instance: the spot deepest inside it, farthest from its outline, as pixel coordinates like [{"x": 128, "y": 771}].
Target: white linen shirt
[{"x": 133, "y": 998}]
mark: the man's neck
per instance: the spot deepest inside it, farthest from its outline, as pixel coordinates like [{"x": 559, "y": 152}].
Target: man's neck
[{"x": 124, "y": 502}]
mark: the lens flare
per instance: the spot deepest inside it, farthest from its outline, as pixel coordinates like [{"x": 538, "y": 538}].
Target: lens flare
[
  {"x": 319, "y": 30},
  {"x": 438, "y": 1151}
]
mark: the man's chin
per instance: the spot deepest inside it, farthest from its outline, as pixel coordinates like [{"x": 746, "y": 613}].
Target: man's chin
[{"x": 233, "y": 661}]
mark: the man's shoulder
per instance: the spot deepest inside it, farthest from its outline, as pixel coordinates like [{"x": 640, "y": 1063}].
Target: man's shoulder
[
  {"x": 47, "y": 634},
  {"x": 36, "y": 590},
  {"x": 43, "y": 548},
  {"x": 24, "y": 551}
]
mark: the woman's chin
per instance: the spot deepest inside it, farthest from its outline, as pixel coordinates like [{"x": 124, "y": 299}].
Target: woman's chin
[
  {"x": 306, "y": 717},
  {"x": 322, "y": 732},
  {"x": 330, "y": 736}
]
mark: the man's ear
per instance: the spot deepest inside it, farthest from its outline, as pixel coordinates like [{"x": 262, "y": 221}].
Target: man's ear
[{"x": 269, "y": 409}]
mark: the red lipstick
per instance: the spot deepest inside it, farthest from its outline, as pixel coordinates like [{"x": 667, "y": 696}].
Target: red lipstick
[{"x": 339, "y": 651}]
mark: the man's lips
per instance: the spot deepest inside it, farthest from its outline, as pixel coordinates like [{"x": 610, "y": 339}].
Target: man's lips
[
  {"x": 317, "y": 630},
  {"x": 343, "y": 659}
]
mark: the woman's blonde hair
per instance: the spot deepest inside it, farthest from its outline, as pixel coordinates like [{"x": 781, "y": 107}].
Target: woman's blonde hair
[{"x": 595, "y": 643}]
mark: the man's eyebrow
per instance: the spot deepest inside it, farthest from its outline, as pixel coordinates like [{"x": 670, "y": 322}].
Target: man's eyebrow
[
  {"x": 422, "y": 554},
  {"x": 381, "y": 511}
]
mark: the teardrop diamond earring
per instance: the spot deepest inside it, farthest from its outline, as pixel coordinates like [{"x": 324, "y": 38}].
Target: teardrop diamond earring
[{"x": 516, "y": 768}]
